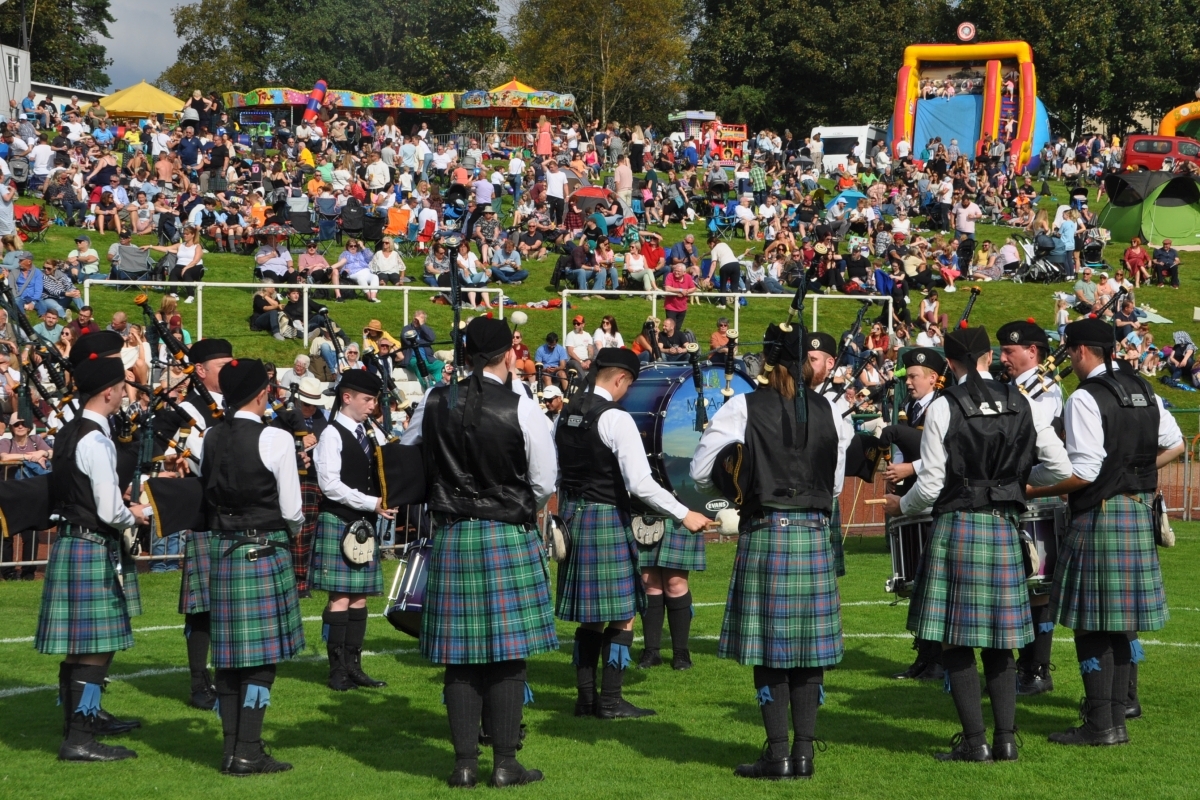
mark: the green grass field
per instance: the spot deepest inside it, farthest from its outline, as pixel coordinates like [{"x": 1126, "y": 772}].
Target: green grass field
[
  {"x": 393, "y": 742},
  {"x": 227, "y": 310}
]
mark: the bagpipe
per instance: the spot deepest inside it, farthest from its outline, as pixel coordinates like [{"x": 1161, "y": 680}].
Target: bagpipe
[
  {"x": 180, "y": 353},
  {"x": 1057, "y": 366}
]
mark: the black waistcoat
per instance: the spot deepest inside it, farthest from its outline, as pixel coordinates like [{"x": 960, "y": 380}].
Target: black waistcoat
[
  {"x": 785, "y": 475},
  {"x": 988, "y": 455},
  {"x": 480, "y": 470},
  {"x": 587, "y": 467},
  {"x": 358, "y": 471},
  {"x": 239, "y": 491},
  {"x": 70, "y": 488},
  {"x": 1130, "y": 420}
]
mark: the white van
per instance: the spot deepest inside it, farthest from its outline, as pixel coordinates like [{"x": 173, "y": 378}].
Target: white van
[{"x": 841, "y": 141}]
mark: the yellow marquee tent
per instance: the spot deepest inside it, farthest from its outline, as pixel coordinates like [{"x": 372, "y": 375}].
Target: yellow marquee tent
[{"x": 141, "y": 100}]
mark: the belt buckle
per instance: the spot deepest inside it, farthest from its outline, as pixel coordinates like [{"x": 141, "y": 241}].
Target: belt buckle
[
  {"x": 784, "y": 522},
  {"x": 252, "y": 555}
]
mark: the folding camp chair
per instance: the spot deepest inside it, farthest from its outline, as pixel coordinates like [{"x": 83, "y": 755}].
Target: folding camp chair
[
  {"x": 34, "y": 224},
  {"x": 353, "y": 218},
  {"x": 133, "y": 264},
  {"x": 723, "y": 222},
  {"x": 302, "y": 224},
  {"x": 328, "y": 217}
]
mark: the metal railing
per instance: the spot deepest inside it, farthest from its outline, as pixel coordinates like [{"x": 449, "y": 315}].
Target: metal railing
[
  {"x": 283, "y": 288},
  {"x": 735, "y": 296}
]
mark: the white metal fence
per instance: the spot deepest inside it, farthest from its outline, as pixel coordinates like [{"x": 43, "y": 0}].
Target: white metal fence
[{"x": 283, "y": 288}]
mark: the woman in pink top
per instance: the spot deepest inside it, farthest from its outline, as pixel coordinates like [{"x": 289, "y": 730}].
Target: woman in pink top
[
  {"x": 545, "y": 142},
  {"x": 679, "y": 285}
]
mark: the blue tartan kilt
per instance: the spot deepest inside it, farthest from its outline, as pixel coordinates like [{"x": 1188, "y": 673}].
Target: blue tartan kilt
[
  {"x": 1108, "y": 576},
  {"x": 254, "y": 605},
  {"x": 197, "y": 564},
  {"x": 331, "y": 572},
  {"x": 83, "y": 607},
  {"x": 679, "y": 549},
  {"x": 970, "y": 588},
  {"x": 783, "y": 608},
  {"x": 599, "y": 581},
  {"x": 835, "y": 538},
  {"x": 487, "y": 595}
]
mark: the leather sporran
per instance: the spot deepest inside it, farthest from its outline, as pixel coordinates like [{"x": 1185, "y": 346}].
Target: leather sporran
[{"x": 358, "y": 542}]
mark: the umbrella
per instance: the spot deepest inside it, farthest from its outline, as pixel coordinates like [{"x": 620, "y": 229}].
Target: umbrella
[
  {"x": 594, "y": 192},
  {"x": 274, "y": 229},
  {"x": 850, "y": 196}
]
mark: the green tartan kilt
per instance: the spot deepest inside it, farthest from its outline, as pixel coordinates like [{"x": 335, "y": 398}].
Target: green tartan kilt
[
  {"x": 255, "y": 608},
  {"x": 487, "y": 595},
  {"x": 835, "y": 539},
  {"x": 1108, "y": 576},
  {"x": 679, "y": 549},
  {"x": 197, "y": 564},
  {"x": 599, "y": 581},
  {"x": 783, "y": 608},
  {"x": 970, "y": 588},
  {"x": 84, "y": 610},
  {"x": 133, "y": 590},
  {"x": 331, "y": 572}
]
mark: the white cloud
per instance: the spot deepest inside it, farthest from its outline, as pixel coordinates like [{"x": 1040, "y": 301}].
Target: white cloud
[{"x": 142, "y": 42}]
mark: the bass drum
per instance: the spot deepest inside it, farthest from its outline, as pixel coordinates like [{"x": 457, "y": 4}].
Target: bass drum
[
  {"x": 406, "y": 600},
  {"x": 663, "y": 404}
]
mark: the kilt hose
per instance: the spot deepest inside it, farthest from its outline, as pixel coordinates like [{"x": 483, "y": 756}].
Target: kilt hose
[
  {"x": 255, "y": 611},
  {"x": 970, "y": 588},
  {"x": 599, "y": 581},
  {"x": 679, "y": 549},
  {"x": 835, "y": 538},
  {"x": 783, "y": 610},
  {"x": 331, "y": 572},
  {"x": 1108, "y": 576},
  {"x": 487, "y": 595},
  {"x": 197, "y": 564},
  {"x": 302, "y": 543},
  {"x": 83, "y": 609}
]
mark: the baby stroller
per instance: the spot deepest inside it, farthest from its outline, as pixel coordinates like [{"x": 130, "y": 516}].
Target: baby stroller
[
  {"x": 454, "y": 203},
  {"x": 1036, "y": 267},
  {"x": 718, "y": 192},
  {"x": 1093, "y": 248}
]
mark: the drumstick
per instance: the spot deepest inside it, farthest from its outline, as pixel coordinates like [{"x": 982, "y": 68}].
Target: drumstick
[{"x": 878, "y": 502}]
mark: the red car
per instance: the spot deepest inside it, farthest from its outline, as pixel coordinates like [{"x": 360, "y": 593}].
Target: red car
[{"x": 1143, "y": 152}]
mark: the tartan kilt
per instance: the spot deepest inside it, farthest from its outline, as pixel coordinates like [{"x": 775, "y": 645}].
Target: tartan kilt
[
  {"x": 255, "y": 609},
  {"x": 679, "y": 549},
  {"x": 835, "y": 539},
  {"x": 83, "y": 610},
  {"x": 331, "y": 572},
  {"x": 302, "y": 543},
  {"x": 487, "y": 595},
  {"x": 197, "y": 564},
  {"x": 599, "y": 581},
  {"x": 783, "y": 608},
  {"x": 1108, "y": 576},
  {"x": 970, "y": 588},
  {"x": 133, "y": 590}
]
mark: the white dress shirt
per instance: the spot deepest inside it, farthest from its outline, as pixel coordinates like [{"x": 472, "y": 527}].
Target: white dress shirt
[
  {"x": 1051, "y": 464},
  {"x": 328, "y": 457},
  {"x": 195, "y": 438},
  {"x": 1052, "y": 398},
  {"x": 619, "y": 433},
  {"x": 1085, "y": 432},
  {"x": 919, "y": 412},
  {"x": 845, "y": 436},
  {"x": 728, "y": 425},
  {"x": 277, "y": 449},
  {"x": 540, "y": 454},
  {"x": 96, "y": 457}
]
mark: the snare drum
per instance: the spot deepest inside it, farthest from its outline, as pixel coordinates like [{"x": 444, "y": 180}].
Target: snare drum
[
  {"x": 406, "y": 600},
  {"x": 662, "y": 403},
  {"x": 1042, "y": 528},
  {"x": 907, "y": 539}
]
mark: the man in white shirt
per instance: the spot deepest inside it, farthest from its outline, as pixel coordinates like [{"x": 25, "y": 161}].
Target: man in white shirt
[
  {"x": 580, "y": 345},
  {"x": 903, "y": 150},
  {"x": 556, "y": 191},
  {"x": 377, "y": 173},
  {"x": 424, "y": 157},
  {"x": 965, "y": 215},
  {"x": 746, "y": 218},
  {"x": 516, "y": 176},
  {"x": 41, "y": 160}
]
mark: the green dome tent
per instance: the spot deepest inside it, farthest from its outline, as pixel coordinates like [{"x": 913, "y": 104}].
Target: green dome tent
[{"x": 1153, "y": 205}]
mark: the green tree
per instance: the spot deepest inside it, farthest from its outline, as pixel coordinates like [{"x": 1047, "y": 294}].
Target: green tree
[
  {"x": 64, "y": 40},
  {"x": 622, "y": 59},
  {"x": 363, "y": 45}
]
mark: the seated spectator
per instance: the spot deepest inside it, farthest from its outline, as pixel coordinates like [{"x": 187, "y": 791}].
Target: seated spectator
[
  {"x": 352, "y": 357},
  {"x": 506, "y": 264},
  {"x": 671, "y": 342},
  {"x": 354, "y": 265},
  {"x": 28, "y": 283},
  {"x": 930, "y": 337},
  {"x": 1183, "y": 357},
  {"x": 273, "y": 261},
  {"x": 487, "y": 234},
  {"x": 26, "y": 453},
  {"x": 525, "y": 368},
  {"x": 189, "y": 260},
  {"x": 1166, "y": 265},
  {"x": 607, "y": 335},
  {"x": 1137, "y": 261},
  {"x": 298, "y": 371},
  {"x": 437, "y": 265},
  {"x": 83, "y": 262},
  {"x": 48, "y": 328},
  {"x": 265, "y": 312},
  {"x": 119, "y": 324},
  {"x": 58, "y": 292},
  {"x": 294, "y": 310},
  {"x": 1085, "y": 293},
  {"x": 532, "y": 244},
  {"x": 637, "y": 270},
  {"x": 83, "y": 322},
  {"x": 313, "y": 267},
  {"x": 471, "y": 274},
  {"x": 718, "y": 341},
  {"x": 553, "y": 358},
  {"x": 387, "y": 263}
]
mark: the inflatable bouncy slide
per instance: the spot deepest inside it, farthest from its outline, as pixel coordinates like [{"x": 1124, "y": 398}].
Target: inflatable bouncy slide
[
  {"x": 1182, "y": 121},
  {"x": 967, "y": 92}
]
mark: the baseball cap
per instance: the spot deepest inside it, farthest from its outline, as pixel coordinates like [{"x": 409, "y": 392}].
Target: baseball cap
[
  {"x": 578, "y": 318},
  {"x": 550, "y": 392}
]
